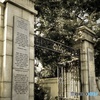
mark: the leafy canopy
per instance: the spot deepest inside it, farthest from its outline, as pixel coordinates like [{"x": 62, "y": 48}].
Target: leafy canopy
[{"x": 58, "y": 20}]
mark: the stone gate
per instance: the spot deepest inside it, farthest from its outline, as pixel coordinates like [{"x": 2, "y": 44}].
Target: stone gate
[{"x": 17, "y": 52}]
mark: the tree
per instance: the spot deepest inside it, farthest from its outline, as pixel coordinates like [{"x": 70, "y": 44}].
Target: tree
[{"x": 58, "y": 20}]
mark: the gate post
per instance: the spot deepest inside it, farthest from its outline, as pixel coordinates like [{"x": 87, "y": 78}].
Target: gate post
[
  {"x": 17, "y": 49},
  {"x": 86, "y": 46}
]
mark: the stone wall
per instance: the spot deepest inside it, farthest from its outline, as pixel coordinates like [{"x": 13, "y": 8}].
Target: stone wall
[{"x": 51, "y": 84}]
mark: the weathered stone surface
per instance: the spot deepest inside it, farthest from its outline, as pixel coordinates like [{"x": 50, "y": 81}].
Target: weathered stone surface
[
  {"x": 0, "y": 60},
  {"x": 87, "y": 66},
  {"x": 1, "y": 67},
  {"x": 2, "y": 9},
  {"x": 5, "y": 90},
  {"x": 26, "y": 15},
  {"x": 1, "y": 21},
  {"x": 31, "y": 71},
  {"x": 21, "y": 43},
  {"x": 5, "y": 98},
  {"x": 84, "y": 65},
  {"x": 1, "y": 33},
  {"x": 1, "y": 48},
  {"x": 9, "y": 33},
  {"x": 8, "y": 48},
  {"x": 11, "y": 13},
  {"x": 30, "y": 17},
  {"x": 31, "y": 88},
  {"x": 51, "y": 85},
  {"x": 31, "y": 40},
  {"x": 90, "y": 57},
  {"x": 84, "y": 76},
  {"x": 25, "y": 10},
  {"x": 92, "y": 84},
  {"x": 85, "y": 89},
  {"x": 7, "y": 68},
  {"x": 31, "y": 53},
  {"x": 31, "y": 98},
  {"x": 21, "y": 67},
  {"x": 27, "y": 4},
  {"x": 20, "y": 89}
]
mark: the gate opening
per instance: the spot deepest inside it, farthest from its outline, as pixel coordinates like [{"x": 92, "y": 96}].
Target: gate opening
[{"x": 68, "y": 67}]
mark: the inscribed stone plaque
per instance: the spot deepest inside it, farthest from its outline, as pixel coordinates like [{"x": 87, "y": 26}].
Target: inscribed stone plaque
[
  {"x": 20, "y": 85},
  {"x": 90, "y": 62},
  {"x": 91, "y": 70},
  {"x": 20, "y": 90},
  {"x": 21, "y": 43}
]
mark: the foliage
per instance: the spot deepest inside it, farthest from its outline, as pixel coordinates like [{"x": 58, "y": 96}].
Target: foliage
[
  {"x": 63, "y": 16},
  {"x": 97, "y": 56},
  {"x": 39, "y": 92},
  {"x": 58, "y": 20}
]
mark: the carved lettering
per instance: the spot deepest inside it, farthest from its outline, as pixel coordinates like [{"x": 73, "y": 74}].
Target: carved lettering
[
  {"x": 21, "y": 60},
  {"x": 21, "y": 24},
  {"x": 21, "y": 84},
  {"x": 20, "y": 88},
  {"x": 21, "y": 39}
]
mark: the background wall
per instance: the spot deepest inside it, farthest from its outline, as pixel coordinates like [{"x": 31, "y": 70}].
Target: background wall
[{"x": 50, "y": 84}]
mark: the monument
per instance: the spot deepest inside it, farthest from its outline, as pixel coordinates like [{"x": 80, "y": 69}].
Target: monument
[{"x": 17, "y": 49}]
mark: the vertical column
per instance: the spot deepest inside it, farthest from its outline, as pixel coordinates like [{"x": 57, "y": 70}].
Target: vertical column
[
  {"x": 15, "y": 76},
  {"x": 1, "y": 42},
  {"x": 88, "y": 82},
  {"x": 84, "y": 70},
  {"x": 6, "y": 61},
  {"x": 6, "y": 86}
]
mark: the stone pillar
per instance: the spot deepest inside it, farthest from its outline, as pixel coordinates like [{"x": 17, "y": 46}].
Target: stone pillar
[
  {"x": 1, "y": 41},
  {"x": 86, "y": 45},
  {"x": 11, "y": 12}
]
